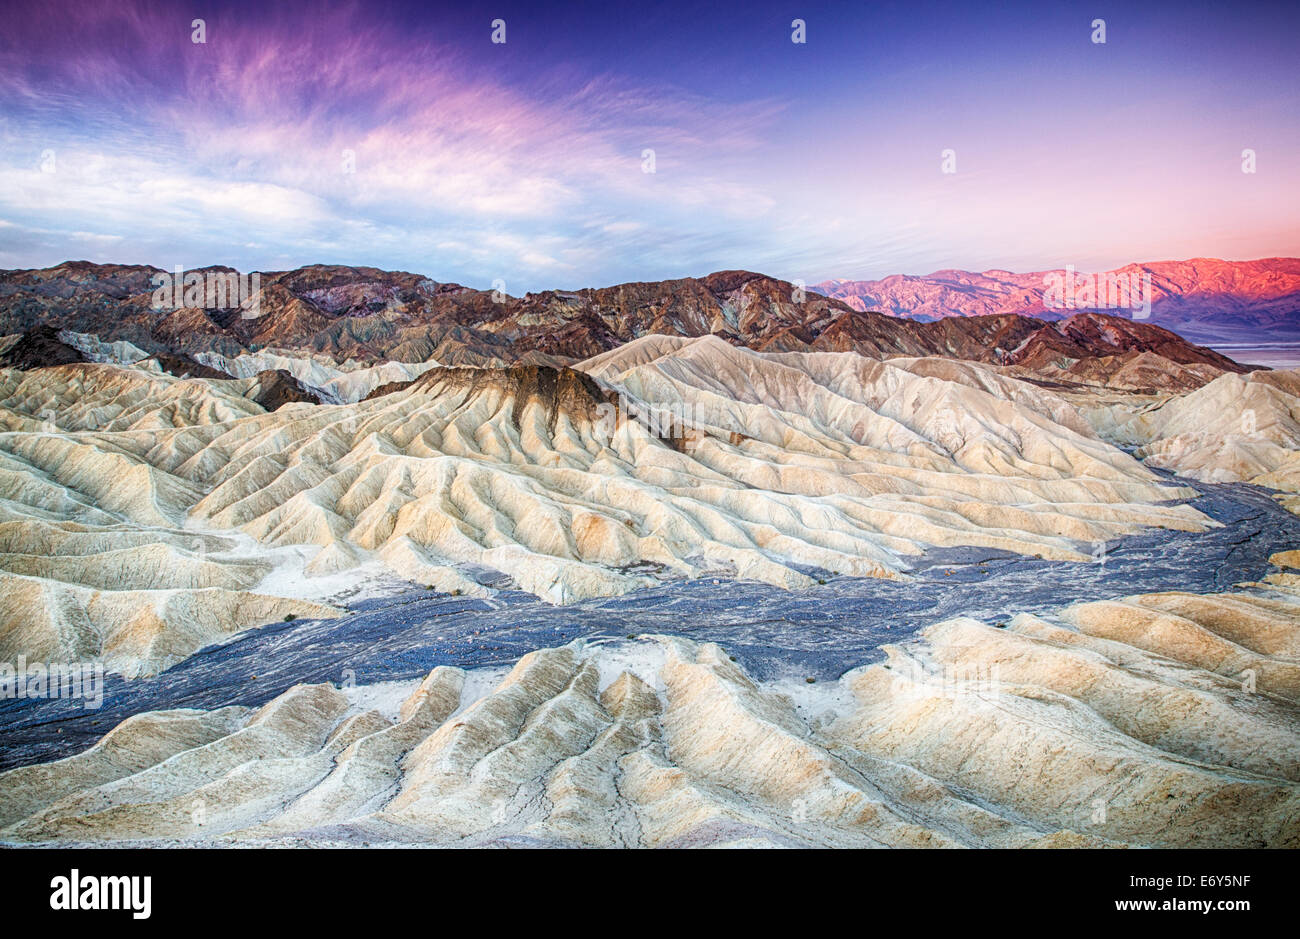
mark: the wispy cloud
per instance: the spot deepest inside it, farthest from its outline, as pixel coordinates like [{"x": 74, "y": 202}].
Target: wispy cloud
[
  {"x": 335, "y": 131},
  {"x": 299, "y": 135}
]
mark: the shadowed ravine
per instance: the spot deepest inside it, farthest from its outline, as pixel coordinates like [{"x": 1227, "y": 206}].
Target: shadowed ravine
[{"x": 818, "y": 633}]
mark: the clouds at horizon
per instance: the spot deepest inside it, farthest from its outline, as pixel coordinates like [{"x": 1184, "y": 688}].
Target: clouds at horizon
[{"x": 523, "y": 162}]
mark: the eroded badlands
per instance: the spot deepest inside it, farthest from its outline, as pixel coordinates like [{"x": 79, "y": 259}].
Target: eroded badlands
[
  {"x": 1164, "y": 720},
  {"x": 143, "y": 516}
]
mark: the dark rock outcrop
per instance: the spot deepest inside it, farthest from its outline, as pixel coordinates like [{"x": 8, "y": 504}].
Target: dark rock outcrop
[
  {"x": 389, "y": 388},
  {"x": 275, "y": 388},
  {"x": 40, "y": 347},
  {"x": 182, "y": 366}
]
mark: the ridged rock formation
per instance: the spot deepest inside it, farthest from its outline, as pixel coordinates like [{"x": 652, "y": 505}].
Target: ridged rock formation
[
  {"x": 675, "y": 456},
  {"x": 1238, "y": 428},
  {"x": 95, "y": 560},
  {"x": 326, "y": 380},
  {"x": 1160, "y": 720}
]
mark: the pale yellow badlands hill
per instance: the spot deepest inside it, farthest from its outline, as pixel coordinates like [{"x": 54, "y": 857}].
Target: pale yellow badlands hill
[
  {"x": 1237, "y": 428},
  {"x": 95, "y": 564},
  {"x": 331, "y": 381},
  {"x": 755, "y": 464},
  {"x": 1160, "y": 720}
]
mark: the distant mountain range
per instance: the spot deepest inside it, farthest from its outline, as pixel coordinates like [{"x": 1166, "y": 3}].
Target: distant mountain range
[
  {"x": 1204, "y": 299},
  {"x": 375, "y": 316}
]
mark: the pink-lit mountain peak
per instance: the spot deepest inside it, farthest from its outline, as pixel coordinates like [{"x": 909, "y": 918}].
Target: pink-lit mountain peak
[{"x": 1200, "y": 297}]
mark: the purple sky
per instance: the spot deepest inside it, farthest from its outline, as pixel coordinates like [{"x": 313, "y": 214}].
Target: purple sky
[{"x": 123, "y": 140}]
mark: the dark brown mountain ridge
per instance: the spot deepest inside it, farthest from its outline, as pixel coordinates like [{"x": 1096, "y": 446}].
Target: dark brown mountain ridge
[{"x": 374, "y": 316}]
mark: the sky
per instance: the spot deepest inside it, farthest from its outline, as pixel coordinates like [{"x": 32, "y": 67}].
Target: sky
[{"x": 609, "y": 142}]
